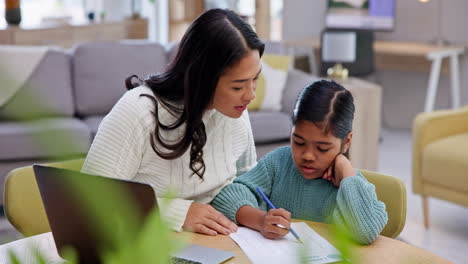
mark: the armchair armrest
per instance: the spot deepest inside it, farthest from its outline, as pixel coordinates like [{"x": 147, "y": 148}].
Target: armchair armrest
[{"x": 430, "y": 127}]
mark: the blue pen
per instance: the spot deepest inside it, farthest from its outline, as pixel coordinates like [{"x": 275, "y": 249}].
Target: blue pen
[{"x": 273, "y": 207}]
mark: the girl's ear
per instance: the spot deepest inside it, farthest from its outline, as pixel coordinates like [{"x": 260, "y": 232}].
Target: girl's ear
[{"x": 348, "y": 141}]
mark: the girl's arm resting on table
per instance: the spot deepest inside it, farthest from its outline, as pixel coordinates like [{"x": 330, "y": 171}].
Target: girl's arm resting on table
[
  {"x": 242, "y": 191},
  {"x": 265, "y": 222},
  {"x": 239, "y": 204},
  {"x": 232, "y": 197},
  {"x": 239, "y": 201},
  {"x": 358, "y": 209},
  {"x": 250, "y": 217}
]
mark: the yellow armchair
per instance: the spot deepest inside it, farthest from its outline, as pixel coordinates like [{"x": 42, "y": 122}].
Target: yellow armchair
[
  {"x": 23, "y": 204},
  {"x": 440, "y": 157},
  {"x": 392, "y": 192}
]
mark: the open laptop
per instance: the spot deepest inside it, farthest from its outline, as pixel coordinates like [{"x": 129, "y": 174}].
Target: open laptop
[{"x": 72, "y": 227}]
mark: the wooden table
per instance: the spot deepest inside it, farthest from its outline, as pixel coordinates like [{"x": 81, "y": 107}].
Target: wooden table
[
  {"x": 408, "y": 57},
  {"x": 383, "y": 250},
  {"x": 390, "y": 55}
]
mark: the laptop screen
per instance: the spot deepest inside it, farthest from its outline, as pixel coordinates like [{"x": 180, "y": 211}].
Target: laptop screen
[{"x": 75, "y": 210}]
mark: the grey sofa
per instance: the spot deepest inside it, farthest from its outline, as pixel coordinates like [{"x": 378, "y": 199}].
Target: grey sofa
[{"x": 57, "y": 112}]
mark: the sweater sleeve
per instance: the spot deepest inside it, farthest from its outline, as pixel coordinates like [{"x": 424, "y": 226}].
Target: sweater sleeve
[
  {"x": 118, "y": 148},
  {"x": 174, "y": 211},
  {"x": 359, "y": 210},
  {"x": 242, "y": 191},
  {"x": 249, "y": 158},
  {"x": 119, "y": 144}
]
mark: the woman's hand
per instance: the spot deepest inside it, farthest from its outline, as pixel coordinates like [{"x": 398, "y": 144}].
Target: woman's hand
[
  {"x": 340, "y": 169},
  {"x": 204, "y": 219},
  {"x": 271, "y": 222}
]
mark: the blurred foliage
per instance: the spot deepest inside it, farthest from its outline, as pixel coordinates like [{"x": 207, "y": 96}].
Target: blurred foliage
[
  {"x": 344, "y": 243},
  {"x": 131, "y": 241},
  {"x": 149, "y": 243}
]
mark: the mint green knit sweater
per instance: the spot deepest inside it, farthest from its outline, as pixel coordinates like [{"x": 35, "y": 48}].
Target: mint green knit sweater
[{"x": 354, "y": 204}]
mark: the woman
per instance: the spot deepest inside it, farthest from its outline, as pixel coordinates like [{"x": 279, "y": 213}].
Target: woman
[{"x": 186, "y": 129}]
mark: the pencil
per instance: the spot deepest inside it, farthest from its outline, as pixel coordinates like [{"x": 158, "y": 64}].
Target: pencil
[{"x": 273, "y": 207}]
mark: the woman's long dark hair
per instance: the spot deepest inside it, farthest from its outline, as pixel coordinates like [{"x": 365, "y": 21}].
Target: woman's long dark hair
[
  {"x": 328, "y": 105},
  {"x": 216, "y": 40}
]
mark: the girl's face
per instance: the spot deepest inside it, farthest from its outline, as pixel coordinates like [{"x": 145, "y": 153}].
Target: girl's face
[
  {"x": 236, "y": 87},
  {"x": 313, "y": 150}
]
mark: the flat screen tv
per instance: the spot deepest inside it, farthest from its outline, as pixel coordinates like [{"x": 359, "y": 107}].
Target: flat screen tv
[{"x": 375, "y": 15}]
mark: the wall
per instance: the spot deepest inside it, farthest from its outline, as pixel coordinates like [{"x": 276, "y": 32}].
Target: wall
[
  {"x": 116, "y": 10},
  {"x": 302, "y": 18},
  {"x": 404, "y": 92}
]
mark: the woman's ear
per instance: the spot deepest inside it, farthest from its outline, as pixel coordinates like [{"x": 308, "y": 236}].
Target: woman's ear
[{"x": 348, "y": 141}]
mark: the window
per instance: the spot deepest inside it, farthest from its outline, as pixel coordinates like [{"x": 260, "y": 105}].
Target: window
[
  {"x": 276, "y": 29},
  {"x": 247, "y": 9},
  {"x": 34, "y": 11}
]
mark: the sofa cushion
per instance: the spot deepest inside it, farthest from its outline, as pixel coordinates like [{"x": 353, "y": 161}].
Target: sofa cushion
[
  {"x": 172, "y": 49},
  {"x": 93, "y": 123},
  {"x": 277, "y": 47},
  {"x": 296, "y": 81},
  {"x": 47, "y": 93},
  {"x": 271, "y": 83},
  {"x": 267, "y": 126},
  {"x": 270, "y": 126},
  {"x": 444, "y": 162},
  {"x": 43, "y": 138},
  {"x": 100, "y": 69}
]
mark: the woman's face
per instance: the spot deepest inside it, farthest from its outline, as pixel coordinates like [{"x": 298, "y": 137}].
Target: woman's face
[
  {"x": 313, "y": 150},
  {"x": 236, "y": 87}
]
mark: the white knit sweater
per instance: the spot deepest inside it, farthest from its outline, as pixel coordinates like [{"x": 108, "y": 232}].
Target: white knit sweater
[{"x": 122, "y": 149}]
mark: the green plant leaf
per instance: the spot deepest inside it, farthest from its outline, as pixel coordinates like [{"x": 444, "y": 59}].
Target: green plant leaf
[
  {"x": 344, "y": 243},
  {"x": 13, "y": 258}
]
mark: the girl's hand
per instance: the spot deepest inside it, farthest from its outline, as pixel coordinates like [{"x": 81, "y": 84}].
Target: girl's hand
[
  {"x": 340, "y": 169},
  {"x": 271, "y": 222},
  {"x": 204, "y": 219}
]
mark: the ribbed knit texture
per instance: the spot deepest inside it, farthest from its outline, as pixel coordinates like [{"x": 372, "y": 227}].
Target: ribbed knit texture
[
  {"x": 354, "y": 204},
  {"x": 122, "y": 149}
]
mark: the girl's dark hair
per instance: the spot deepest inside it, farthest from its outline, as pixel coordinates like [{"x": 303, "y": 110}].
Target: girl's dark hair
[
  {"x": 328, "y": 105},
  {"x": 216, "y": 41}
]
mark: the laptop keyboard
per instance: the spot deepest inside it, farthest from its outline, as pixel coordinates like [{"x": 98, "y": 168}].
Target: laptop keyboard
[{"x": 177, "y": 260}]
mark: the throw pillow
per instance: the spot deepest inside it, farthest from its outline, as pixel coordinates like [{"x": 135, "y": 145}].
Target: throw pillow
[{"x": 271, "y": 83}]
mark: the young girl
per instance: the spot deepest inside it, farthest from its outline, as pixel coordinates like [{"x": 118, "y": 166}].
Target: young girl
[{"x": 312, "y": 179}]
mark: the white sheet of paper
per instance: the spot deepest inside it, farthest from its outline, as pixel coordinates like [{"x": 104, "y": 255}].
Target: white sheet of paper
[
  {"x": 25, "y": 249},
  {"x": 315, "y": 250}
]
